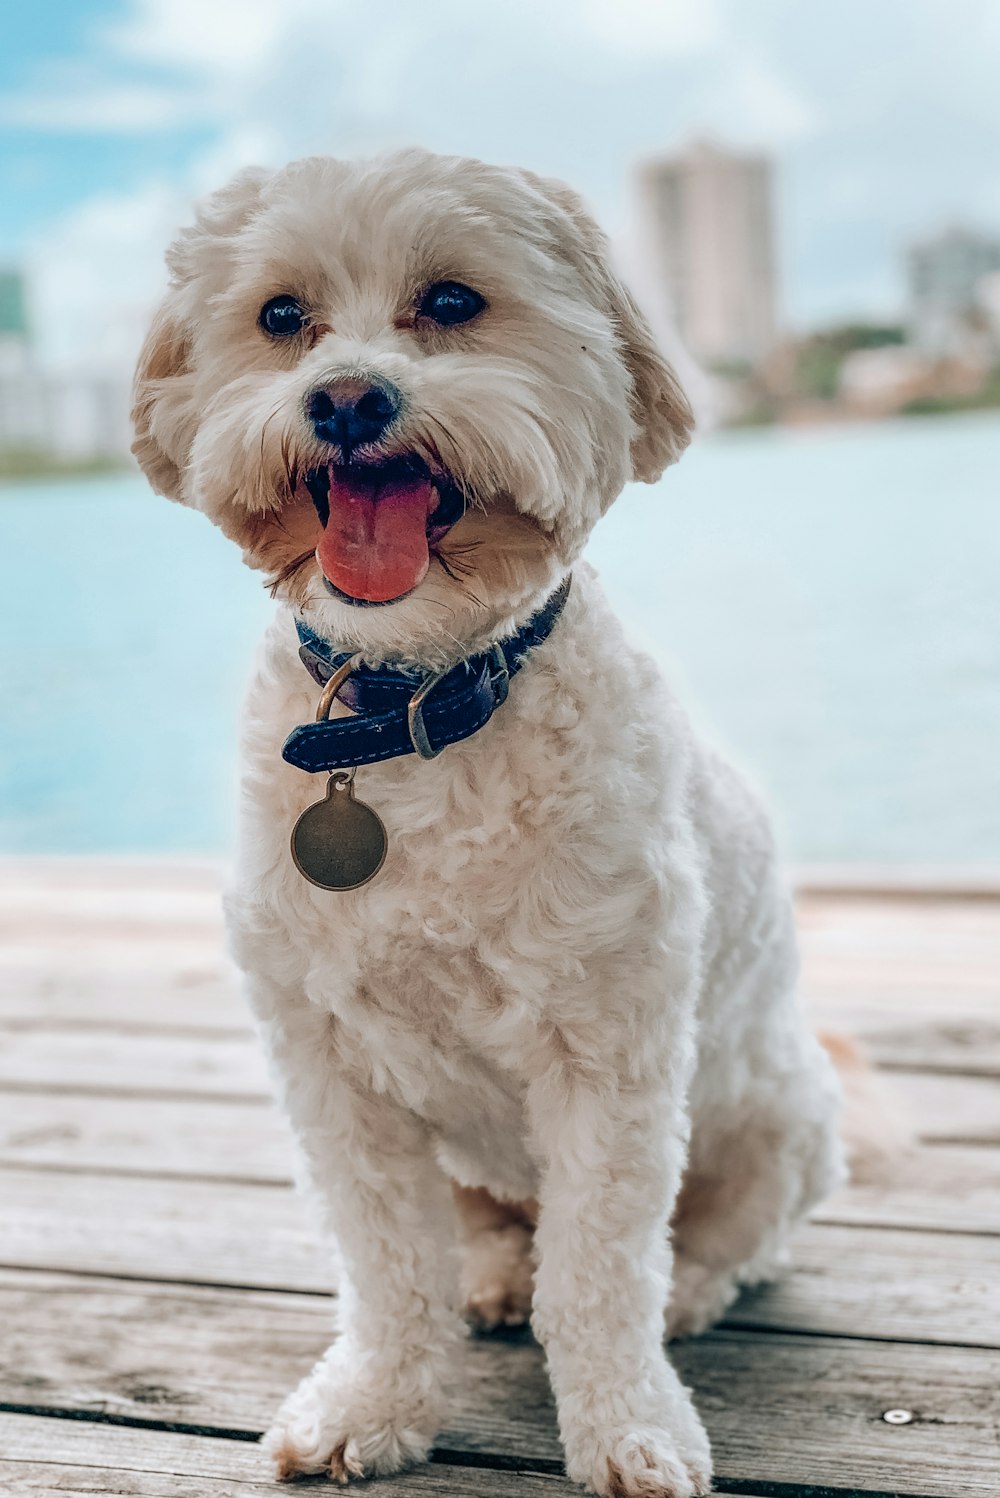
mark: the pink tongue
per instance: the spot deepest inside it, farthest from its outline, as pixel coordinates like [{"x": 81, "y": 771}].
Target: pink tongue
[{"x": 375, "y": 542}]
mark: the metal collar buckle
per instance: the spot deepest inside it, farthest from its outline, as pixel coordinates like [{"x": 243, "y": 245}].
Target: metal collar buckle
[
  {"x": 499, "y": 675},
  {"x": 499, "y": 682},
  {"x": 333, "y": 686}
]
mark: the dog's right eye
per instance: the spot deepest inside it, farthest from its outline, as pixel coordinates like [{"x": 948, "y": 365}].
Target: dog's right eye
[{"x": 282, "y": 316}]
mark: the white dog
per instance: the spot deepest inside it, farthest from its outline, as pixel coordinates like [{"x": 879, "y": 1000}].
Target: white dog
[{"x": 561, "y": 1017}]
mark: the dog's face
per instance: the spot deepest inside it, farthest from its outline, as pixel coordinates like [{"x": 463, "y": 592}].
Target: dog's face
[{"x": 406, "y": 387}]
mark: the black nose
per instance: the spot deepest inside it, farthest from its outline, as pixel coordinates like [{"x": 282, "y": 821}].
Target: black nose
[{"x": 352, "y": 412}]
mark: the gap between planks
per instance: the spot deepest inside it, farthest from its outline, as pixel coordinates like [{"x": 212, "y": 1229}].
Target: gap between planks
[
  {"x": 824, "y": 1401},
  {"x": 72, "y": 1461}
]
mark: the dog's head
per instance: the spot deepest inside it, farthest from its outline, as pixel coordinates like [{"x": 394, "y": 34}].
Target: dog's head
[{"x": 412, "y": 382}]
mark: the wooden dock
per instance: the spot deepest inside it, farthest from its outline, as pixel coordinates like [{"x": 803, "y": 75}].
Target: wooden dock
[{"x": 161, "y": 1288}]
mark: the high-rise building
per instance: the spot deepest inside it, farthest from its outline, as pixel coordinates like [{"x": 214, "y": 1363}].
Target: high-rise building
[
  {"x": 948, "y": 275},
  {"x": 707, "y": 219}
]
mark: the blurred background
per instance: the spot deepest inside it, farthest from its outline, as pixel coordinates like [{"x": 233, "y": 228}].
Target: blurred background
[{"x": 807, "y": 199}]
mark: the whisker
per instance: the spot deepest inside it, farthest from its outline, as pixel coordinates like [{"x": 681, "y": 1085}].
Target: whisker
[
  {"x": 284, "y": 448},
  {"x": 460, "y": 482},
  {"x": 287, "y": 572}
]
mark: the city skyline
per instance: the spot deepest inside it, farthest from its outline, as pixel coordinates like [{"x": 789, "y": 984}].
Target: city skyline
[
  {"x": 645, "y": 247},
  {"x": 705, "y": 248}
]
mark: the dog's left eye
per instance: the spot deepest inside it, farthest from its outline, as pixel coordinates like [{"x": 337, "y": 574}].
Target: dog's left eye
[
  {"x": 282, "y": 316},
  {"x": 449, "y": 302}
]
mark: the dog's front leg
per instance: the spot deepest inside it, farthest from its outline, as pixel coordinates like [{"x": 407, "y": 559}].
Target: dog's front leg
[
  {"x": 374, "y": 1402},
  {"x": 612, "y": 1158}
]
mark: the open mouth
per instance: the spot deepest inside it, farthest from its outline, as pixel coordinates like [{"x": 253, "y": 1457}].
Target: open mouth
[{"x": 381, "y": 522}]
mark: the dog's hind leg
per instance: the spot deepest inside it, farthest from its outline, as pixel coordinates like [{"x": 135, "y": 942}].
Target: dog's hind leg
[
  {"x": 497, "y": 1258},
  {"x": 752, "y": 1176}
]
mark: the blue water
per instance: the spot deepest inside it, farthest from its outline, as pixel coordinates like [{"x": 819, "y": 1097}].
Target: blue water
[{"x": 827, "y": 602}]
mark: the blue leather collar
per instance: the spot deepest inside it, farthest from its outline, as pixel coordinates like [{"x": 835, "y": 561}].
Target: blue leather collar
[{"x": 405, "y": 712}]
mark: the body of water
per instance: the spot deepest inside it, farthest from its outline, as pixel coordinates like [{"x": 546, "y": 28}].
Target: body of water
[{"x": 827, "y": 602}]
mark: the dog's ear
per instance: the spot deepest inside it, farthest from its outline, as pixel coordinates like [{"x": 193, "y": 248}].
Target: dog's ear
[
  {"x": 663, "y": 417},
  {"x": 161, "y": 404},
  {"x": 164, "y": 411}
]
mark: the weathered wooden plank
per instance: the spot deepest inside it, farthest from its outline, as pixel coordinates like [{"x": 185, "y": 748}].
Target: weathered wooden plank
[
  {"x": 190, "y": 999},
  {"x": 48, "y": 1456},
  {"x": 970, "y": 1048},
  {"x": 56, "y": 892},
  {"x": 136, "y": 1349},
  {"x": 186, "y": 1000},
  {"x": 224, "y": 1232},
  {"x": 882, "y": 1282},
  {"x": 71, "y": 929},
  {"x": 178, "y": 1354},
  {"x": 228, "y": 1139},
  {"x": 945, "y": 1109},
  {"x": 97, "y": 949},
  {"x": 198, "y": 1106},
  {"x": 127, "y": 1064},
  {"x": 217, "y": 1232},
  {"x": 785, "y": 1409},
  {"x": 207, "y": 1001},
  {"x": 897, "y": 923},
  {"x": 809, "y": 1411},
  {"x": 104, "y": 941},
  {"x": 949, "y": 1188},
  {"x": 928, "y": 958},
  {"x": 909, "y": 882}
]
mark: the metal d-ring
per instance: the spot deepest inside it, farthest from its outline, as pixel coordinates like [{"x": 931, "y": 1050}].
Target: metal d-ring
[
  {"x": 334, "y": 685},
  {"x": 415, "y": 716},
  {"x": 499, "y": 675}
]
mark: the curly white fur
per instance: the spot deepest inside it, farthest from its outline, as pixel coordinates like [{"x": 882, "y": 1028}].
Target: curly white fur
[{"x": 574, "y": 979}]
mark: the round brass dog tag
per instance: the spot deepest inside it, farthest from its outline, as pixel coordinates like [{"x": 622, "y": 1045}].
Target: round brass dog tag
[{"x": 339, "y": 843}]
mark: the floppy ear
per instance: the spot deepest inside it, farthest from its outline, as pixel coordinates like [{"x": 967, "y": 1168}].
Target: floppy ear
[
  {"x": 164, "y": 411},
  {"x": 160, "y": 406},
  {"x": 660, "y": 409}
]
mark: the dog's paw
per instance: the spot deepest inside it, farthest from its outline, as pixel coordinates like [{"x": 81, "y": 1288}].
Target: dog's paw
[
  {"x": 640, "y": 1463},
  {"x": 698, "y": 1298},
  {"x": 497, "y": 1277},
  {"x": 346, "y": 1430},
  {"x": 494, "y": 1304}
]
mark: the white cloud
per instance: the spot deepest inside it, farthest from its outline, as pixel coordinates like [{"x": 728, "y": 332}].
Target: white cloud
[
  {"x": 278, "y": 78},
  {"x": 216, "y": 37},
  {"x": 753, "y": 103},
  {"x": 644, "y": 28},
  {"x": 111, "y": 109},
  {"x": 93, "y": 278},
  {"x": 579, "y": 88}
]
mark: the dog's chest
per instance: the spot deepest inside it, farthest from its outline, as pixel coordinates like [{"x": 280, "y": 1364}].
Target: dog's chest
[
  {"x": 417, "y": 968},
  {"x": 424, "y": 1015},
  {"x": 449, "y": 974}
]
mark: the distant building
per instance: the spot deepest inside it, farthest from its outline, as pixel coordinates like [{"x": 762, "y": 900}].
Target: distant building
[
  {"x": 66, "y": 414},
  {"x": 708, "y": 220},
  {"x": 945, "y": 276},
  {"x": 988, "y": 298}
]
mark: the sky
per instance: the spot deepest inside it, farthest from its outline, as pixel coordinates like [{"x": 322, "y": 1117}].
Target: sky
[{"x": 883, "y": 117}]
